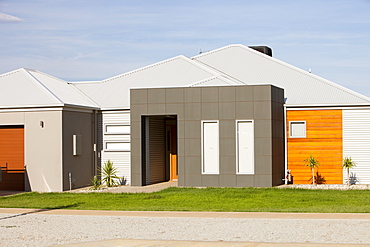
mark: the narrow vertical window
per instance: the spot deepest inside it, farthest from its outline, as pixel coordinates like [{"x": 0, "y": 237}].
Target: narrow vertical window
[
  {"x": 77, "y": 144},
  {"x": 244, "y": 147},
  {"x": 298, "y": 129},
  {"x": 210, "y": 147}
]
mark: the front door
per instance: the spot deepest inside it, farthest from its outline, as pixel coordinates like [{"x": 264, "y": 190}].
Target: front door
[{"x": 171, "y": 132}]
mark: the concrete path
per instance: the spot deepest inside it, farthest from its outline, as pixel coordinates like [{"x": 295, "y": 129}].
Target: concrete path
[
  {"x": 167, "y": 214},
  {"x": 183, "y": 228},
  {"x": 172, "y": 243},
  {"x": 129, "y": 188}
]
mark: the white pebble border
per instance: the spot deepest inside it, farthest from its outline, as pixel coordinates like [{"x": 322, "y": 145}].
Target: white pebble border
[{"x": 327, "y": 186}]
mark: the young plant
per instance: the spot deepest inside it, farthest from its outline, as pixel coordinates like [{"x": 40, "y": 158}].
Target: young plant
[
  {"x": 312, "y": 163},
  {"x": 109, "y": 174},
  {"x": 348, "y": 163},
  {"x": 96, "y": 183}
]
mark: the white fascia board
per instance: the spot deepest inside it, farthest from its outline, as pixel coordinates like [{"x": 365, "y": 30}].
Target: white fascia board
[
  {"x": 49, "y": 108},
  {"x": 323, "y": 106},
  {"x": 115, "y": 111},
  {"x": 127, "y": 108},
  {"x": 32, "y": 109},
  {"x": 82, "y": 107}
]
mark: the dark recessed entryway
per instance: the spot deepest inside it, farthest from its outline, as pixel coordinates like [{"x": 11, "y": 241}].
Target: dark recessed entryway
[{"x": 159, "y": 149}]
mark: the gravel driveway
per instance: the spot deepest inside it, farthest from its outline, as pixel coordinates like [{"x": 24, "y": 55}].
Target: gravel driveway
[{"x": 47, "y": 228}]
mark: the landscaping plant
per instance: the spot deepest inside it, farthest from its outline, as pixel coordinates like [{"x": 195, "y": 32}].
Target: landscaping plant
[
  {"x": 348, "y": 163},
  {"x": 109, "y": 174},
  {"x": 312, "y": 163},
  {"x": 96, "y": 183}
]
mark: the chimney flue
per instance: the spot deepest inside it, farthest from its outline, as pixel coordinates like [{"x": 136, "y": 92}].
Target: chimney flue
[{"x": 264, "y": 49}]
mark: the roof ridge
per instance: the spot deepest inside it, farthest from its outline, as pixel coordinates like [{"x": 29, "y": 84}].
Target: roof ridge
[
  {"x": 53, "y": 77},
  {"x": 330, "y": 83},
  {"x": 216, "y": 50},
  {"x": 66, "y": 83},
  {"x": 40, "y": 84},
  {"x": 272, "y": 59},
  {"x": 203, "y": 81},
  {"x": 143, "y": 68},
  {"x": 221, "y": 77},
  {"x": 11, "y": 72},
  {"x": 87, "y": 96}
]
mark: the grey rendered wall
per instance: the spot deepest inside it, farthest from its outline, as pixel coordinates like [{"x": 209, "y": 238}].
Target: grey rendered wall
[
  {"x": 81, "y": 166},
  {"x": 43, "y": 150},
  {"x": 261, "y": 103}
]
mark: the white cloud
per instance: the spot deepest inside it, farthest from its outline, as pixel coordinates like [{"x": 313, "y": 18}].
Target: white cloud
[{"x": 9, "y": 18}]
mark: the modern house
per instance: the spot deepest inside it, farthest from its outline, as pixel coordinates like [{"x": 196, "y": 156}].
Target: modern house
[{"x": 232, "y": 117}]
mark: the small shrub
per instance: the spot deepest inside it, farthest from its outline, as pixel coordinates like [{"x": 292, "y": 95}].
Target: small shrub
[
  {"x": 96, "y": 183},
  {"x": 312, "y": 163},
  {"x": 348, "y": 164},
  {"x": 109, "y": 174}
]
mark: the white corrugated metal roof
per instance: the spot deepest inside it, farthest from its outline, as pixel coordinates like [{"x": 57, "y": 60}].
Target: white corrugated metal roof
[
  {"x": 230, "y": 65},
  {"x": 301, "y": 88},
  {"x": 24, "y": 87},
  {"x": 179, "y": 71}
]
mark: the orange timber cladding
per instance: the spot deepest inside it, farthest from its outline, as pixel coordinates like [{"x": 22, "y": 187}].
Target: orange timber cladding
[{"x": 323, "y": 140}]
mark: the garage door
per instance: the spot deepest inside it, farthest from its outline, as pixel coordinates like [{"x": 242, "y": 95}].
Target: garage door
[{"x": 12, "y": 157}]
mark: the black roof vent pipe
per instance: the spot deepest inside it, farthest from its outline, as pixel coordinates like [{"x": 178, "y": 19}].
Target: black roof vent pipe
[{"x": 264, "y": 49}]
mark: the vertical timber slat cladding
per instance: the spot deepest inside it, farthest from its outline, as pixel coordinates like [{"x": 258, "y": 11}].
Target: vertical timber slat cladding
[
  {"x": 323, "y": 140},
  {"x": 156, "y": 155},
  {"x": 12, "y": 157}
]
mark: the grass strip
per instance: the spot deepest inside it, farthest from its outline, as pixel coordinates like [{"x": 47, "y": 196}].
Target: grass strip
[{"x": 207, "y": 199}]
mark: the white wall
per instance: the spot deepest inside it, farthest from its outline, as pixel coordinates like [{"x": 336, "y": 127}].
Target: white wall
[
  {"x": 121, "y": 159},
  {"x": 356, "y": 143}
]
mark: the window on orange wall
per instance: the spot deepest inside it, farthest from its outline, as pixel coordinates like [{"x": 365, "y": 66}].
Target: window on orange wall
[{"x": 297, "y": 129}]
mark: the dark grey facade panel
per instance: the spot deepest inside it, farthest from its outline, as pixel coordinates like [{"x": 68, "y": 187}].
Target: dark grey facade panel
[{"x": 261, "y": 103}]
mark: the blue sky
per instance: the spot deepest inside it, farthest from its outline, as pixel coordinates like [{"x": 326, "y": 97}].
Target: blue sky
[{"x": 92, "y": 40}]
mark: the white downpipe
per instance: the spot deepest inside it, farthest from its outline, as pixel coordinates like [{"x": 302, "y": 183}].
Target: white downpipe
[{"x": 285, "y": 146}]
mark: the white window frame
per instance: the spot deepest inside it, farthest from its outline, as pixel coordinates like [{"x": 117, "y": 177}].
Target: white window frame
[
  {"x": 218, "y": 146},
  {"x": 116, "y": 150},
  {"x": 116, "y": 133},
  {"x": 237, "y": 147},
  {"x": 290, "y": 129}
]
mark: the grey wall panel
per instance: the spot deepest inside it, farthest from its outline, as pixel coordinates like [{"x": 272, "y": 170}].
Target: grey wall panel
[
  {"x": 261, "y": 103},
  {"x": 81, "y": 166}
]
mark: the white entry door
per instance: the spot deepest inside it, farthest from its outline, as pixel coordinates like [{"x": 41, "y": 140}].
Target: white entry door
[
  {"x": 210, "y": 147},
  {"x": 245, "y": 147}
]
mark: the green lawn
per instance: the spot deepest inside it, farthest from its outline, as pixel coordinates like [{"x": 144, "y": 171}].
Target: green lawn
[{"x": 208, "y": 199}]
